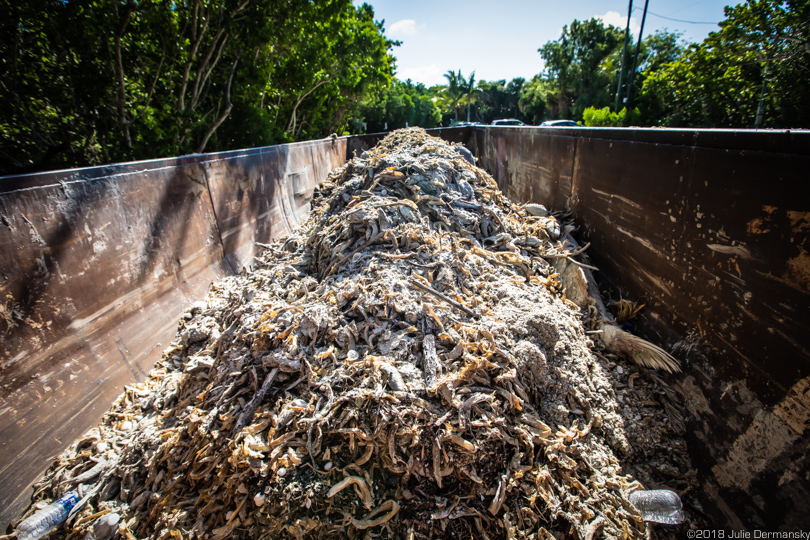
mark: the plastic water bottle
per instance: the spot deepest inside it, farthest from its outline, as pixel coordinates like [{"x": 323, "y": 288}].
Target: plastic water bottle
[
  {"x": 48, "y": 518},
  {"x": 658, "y": 505}
]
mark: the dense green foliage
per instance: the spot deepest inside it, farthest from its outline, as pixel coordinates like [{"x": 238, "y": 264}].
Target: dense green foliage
[
  {"x": 576, "y": 65},
  {"x": 454, "y": 91},
  {"x": 86, "y": 82},
  {"x": 753, "y": 72},
  {"x": 499, "y": 99},
  {"x": 93, "y": 81},
  {"x": 402, "y": 104},
  {"x": 758, "y": 62},
  {"x": 582, "y": 74}
]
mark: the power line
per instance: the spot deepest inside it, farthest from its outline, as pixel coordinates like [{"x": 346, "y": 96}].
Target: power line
[
  {"x": 676, "y": 20},
  {"x": 686, "y": 7}
]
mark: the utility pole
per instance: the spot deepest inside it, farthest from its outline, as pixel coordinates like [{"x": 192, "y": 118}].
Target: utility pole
[
  {"x": 761, "y": 107},
  {"x": 628, "y": 101},
  {"x": 624, "y": 55}
]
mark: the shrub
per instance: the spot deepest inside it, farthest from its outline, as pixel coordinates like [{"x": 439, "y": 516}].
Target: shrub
[{"x": 603, "y": 117}]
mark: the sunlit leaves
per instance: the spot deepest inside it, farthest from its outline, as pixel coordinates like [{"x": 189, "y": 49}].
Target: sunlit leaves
[
  {"x": 758, "y": 62},
  {"x": 576, "y": 63},
  {"x": 185, "y": 66},
  {"x": 403, "y": 103}
]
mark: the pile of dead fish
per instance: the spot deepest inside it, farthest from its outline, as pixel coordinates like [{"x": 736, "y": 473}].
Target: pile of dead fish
[{"x": 421, "y": 359}]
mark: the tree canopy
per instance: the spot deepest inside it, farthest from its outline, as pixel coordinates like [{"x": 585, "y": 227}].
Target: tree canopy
[
  {"x": 85, "y": 82},
  {"x": 575, "y": 64},
  {"x": 751, "y": 73},
  {"x": 402, "y": 104},
  {"x": 94, "y": 81}
]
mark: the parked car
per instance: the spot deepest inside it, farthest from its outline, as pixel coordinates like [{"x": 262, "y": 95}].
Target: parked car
[
  {"x": 560, "y": 123},
  {"x": 508, "y": 122}
]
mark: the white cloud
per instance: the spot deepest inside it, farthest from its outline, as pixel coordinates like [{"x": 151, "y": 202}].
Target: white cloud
[
  {"x": 620, "y": 21},
  {"x": 405, "y": 27},
  {"x": 427, "y": 75}
]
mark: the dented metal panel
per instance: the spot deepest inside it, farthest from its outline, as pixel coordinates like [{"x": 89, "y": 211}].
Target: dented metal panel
[
  {"x": 712, "y": 241},
  {"x": 530, "y": 165},
  {"x": 264, "y": 193},
  {"x": 711, "y": 230},
  {"x": 94, "y": 275},
  {"x": 98, "y": 265}
]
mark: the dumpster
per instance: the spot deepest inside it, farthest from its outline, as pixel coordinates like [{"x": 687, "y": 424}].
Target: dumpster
[{"x": 708, "y": 229}]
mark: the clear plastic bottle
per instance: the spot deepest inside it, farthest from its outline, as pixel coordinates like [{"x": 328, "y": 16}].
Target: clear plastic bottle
[
  {"x": 47, "y": 519},
  {"x": 658, "y": 505}
]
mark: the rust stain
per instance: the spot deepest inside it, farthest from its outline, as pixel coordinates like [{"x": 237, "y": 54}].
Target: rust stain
[
  {"x": 736, "y": 264},
  {"x": 800, "y": 221},
  {"x": 798, "y": 270},
  {"x": 758, "y": 226},
  {"x": 769, "y": 435},
  {"x": 798, "y": 267},
  {"x": 763, "y": 224}
]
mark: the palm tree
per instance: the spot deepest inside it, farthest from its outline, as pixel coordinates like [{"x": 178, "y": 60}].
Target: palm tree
[
  {"x": 470, "y": 93},
  {"x": 454, "y": 91}
]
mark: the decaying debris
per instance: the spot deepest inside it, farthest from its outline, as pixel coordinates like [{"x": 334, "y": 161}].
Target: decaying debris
[{"x": 405, "y": 365}]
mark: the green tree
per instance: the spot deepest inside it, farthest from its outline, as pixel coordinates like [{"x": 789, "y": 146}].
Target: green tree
[
  {"x": 499, "y": 99},
  {"x": 494, "y": 100},
  {"x": 401, "y": 104},
  {"x": 657, "y": 51},
  {"x": 538, "y": 99},
  {"x": 514, "y": 90},
  {"x": 751, "y": 73},
  {"x": 331, "y": 70},
  {"x": 96, "y": 81},
  {"x": 575, "y": 63},
  {"x": 454, "y": 91},
  {"x": 470, "y": 94}
]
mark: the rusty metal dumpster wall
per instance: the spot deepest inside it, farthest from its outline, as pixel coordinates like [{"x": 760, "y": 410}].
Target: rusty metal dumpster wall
[
  {"x": 97, "y": 267},
  {"x": 710, "y": 229}
]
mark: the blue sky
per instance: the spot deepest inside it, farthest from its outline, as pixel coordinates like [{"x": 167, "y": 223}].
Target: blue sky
[{"x": 499, "y": 39}]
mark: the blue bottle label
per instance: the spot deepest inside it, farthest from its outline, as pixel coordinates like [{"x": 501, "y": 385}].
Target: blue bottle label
[{"x": 69, "y": 501}]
